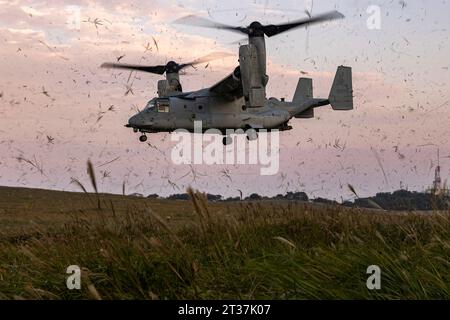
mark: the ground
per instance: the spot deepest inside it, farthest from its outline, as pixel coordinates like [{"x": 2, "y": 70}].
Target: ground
[{"x": 137, "y": 248}]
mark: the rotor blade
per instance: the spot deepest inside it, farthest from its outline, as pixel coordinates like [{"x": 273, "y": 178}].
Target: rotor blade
[
  {"x": 272, "y": 30},
  {"x": 196, "y": 21},
  {"x": 210, "y": 57},
  {"x": 150, "y": 69}
]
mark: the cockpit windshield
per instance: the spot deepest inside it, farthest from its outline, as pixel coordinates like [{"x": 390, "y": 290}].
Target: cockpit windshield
[{"x": 151, "y": 105}]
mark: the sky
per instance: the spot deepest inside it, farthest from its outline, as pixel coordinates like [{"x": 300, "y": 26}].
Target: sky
[{"x": 55, "y": 99}]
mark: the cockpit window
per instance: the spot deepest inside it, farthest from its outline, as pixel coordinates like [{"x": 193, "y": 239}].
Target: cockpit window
[
  {"x": 163, "y": 105},
  {"x": 151, "y": 105}
]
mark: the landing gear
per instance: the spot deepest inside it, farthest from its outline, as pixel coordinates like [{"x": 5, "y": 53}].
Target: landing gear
[
  {"x": 252, "y": 135},
  {"x": 143, "y": 138},
  {"x": 227, "y": 141},
  {"x": 285, "y": 127}
]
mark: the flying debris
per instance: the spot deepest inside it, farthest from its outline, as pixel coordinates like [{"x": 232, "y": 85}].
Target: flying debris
[
  {"x": 226, "y": 174},
  {"x": 33, "y": 163},
  {"x": 97, "y": 22},
  {"x": 109, "y": 162},
  {"x": 147, "y": 47},
  {"x": 45, "y": 93},
  {"x": 50, "y": 139},
  {"x": 156, "y": 44},
  {"x": 129, "y": 90}
]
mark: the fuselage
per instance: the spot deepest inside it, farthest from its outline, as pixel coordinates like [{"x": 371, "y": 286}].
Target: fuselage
[{"x": 171, "y": 113}]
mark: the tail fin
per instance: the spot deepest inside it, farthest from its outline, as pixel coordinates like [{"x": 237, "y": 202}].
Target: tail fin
[
  {"x": 303, "y": 93},
  {"x": 304, "y": 90},
  {"x": 341, "y": 95}
]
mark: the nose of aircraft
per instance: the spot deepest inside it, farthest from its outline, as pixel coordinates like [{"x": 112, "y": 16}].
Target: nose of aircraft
[
  {"x": 135, "y": 121},
  {"x": 140, "y": 121}
]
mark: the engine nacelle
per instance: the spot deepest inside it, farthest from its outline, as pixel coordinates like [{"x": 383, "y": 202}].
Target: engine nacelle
[
  {"x": 253, "y": 79},
  {"x": 163, "y": 88},
  {"x": 169, "y": 86}
]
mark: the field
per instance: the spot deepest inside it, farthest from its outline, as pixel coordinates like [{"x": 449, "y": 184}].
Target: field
[{"x": 135, "y": 248}]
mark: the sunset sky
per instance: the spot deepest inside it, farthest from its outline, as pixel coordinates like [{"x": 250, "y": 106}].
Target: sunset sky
[{"x": 53, "y": 94}]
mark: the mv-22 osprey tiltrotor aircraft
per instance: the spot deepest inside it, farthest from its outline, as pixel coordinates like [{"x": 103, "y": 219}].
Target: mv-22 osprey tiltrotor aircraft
[{"x": 238, "y": 101}]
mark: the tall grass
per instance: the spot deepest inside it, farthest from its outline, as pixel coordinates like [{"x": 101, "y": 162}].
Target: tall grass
[{"x": 252, "y": 251}]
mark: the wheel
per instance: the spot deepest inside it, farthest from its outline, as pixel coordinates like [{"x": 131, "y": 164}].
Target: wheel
[
  {"x": 143, "y": 138},
  {"x": 227, "y": 141}
]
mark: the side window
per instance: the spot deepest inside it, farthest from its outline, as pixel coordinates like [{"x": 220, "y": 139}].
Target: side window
[{"x": 163, "y": 106}]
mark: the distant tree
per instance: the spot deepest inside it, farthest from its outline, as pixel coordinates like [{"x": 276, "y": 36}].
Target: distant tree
[
  {"x": 404, "y": 200},
  {"x": 235, "y": 199},
  {"x": 213, "y": 197},
  {"x": 137, "y": 195},
  {"x": 254, "y": 197},
  {"x": 183, "y": 196},
  {"x": 299, "y": 196}
]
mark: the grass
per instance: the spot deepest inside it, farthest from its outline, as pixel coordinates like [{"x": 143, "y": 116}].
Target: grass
[{"x": 131, "y": 248}]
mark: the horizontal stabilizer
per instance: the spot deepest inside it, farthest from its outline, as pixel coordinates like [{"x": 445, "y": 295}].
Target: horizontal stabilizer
[{"x": 307, "y": 114}]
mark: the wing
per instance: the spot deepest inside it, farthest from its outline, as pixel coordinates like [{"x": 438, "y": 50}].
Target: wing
[{"x": 229, "y": 88}]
